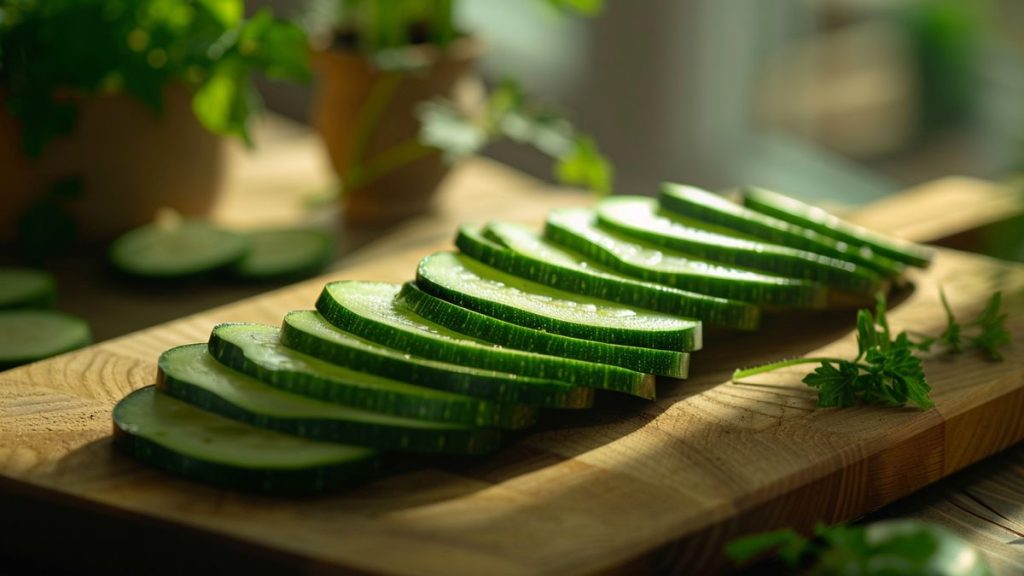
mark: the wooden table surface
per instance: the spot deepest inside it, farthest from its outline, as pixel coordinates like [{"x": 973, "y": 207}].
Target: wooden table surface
[{"x": 982, "y": 502}]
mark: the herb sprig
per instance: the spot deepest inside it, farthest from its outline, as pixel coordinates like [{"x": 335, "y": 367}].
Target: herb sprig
[{"x": 886, "y": 370}]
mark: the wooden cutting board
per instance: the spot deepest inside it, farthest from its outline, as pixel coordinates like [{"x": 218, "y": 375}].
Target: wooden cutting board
[{"x": 632, "y": 485}]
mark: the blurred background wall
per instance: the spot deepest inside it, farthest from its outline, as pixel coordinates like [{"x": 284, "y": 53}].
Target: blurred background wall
[{"x": 844, "y": 100}]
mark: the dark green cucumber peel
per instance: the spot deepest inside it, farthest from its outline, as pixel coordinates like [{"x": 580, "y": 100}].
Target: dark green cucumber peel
[
  {"x": 179, "y": 250},
  {"x": 523, "y": 253},
  {"x": 256, "y": 350},
  {"x": 640, "y": 218},
  {"x": 26, "y": 288},
  {"x": 189, "y": 442},
  {"x": 308, "y": 332},
  {"x": 28, "y": 335},
  {"x": 190, "y": 374},
  {"x": 284, "y": 253},
  {"x": 689, "y": 202},
  {"x": 371, "y": 310},
  {"x": 814, "y": 218},
  {"x": 577, "y": 229},
  {"x": 463, "y": 320},
  {"x": 472, "y": 284}
]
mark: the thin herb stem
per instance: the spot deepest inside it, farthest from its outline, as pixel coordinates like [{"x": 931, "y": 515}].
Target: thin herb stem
[{"x": 747, "y": 372}]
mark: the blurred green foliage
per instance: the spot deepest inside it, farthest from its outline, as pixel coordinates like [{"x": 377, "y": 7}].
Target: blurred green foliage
[{"x": 52, "y": 52}]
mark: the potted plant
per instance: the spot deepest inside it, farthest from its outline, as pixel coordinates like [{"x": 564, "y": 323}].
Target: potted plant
[
  {"x": 129, "y": 100},
  {"x": 388, "y": 110}
]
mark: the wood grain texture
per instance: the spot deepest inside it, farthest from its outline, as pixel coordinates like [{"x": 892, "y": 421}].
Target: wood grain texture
[{"x": 631, "y": 485}]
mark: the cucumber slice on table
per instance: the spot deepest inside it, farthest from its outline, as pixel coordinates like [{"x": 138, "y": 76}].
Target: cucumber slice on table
[
  {"x": 256, "y": 350},
  {"x": 309, "y": 332},
  {"x": 814, "y": 218},
  {"x": 472, "y": 284},
  {"x": 175, "y": 436},
  {"x": 703, "y": 206},
  {"x": 26, "y": 288},
  {"x": 522, "y": 252},
  {"x": 28, "y": 335},
  {"x": 465, "y": 321},
  {"x": 285, "y": 253},
  {"x": 577, "y": 229},
  {"x": 640, "y": 217},
  {"x": 371, "y": 310},
  {"x": 176, "y": 250},
  {"x": 189, "y": 373}
]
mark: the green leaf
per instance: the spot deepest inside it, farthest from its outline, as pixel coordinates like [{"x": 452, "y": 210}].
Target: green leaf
[
  {"x": 745, "y": 549},
  {"x": 994, "y": 334},
  {"x": 836, "y": 385},
  {"x": 222, "y": 104},
  {"x": 952, "y": 335},
  {"x": 585, "y": 166},
  {"x": 228, "y": 13},
  {"x": 867, "y": 335},
  {"x": 584, "y": 7},
  {"x": 445, "y": 128}
]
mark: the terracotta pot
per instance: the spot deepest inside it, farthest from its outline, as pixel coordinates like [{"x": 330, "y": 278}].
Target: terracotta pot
[
  {"x": 366, "y": 115},
  {"x": 131, "y": 161}
]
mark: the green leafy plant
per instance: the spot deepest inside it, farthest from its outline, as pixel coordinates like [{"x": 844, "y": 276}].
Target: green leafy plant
[
  {"x": 53, "y": 52},
  {"x": 885, "y": 370},
  {"x": 382, "y": 29},
  {"x": 887, "y": 547}
]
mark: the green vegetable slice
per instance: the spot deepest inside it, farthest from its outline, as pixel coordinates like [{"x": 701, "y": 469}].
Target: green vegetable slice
[
  {"x": 463, "y": 320},
  {"x": 26, "y": 288},
  {"x": 523, "y": 252},
  {"x": 29, "y": 335},
  {"x": 176, "y": 249},
  {"x": 796, "y": 212},
  {"x": 702, "y": 206},
  {"x": 285, "y": 253},
  {"x": 256, "y": 350},
  {"x": 309, "y": 332},
  {"x": 177, "y": 437},
  {"x": 190, "y": 374},
  {"x": 639, "y": 217},
  {"x": 371, "y": 310},
  {"x": 577, "y": 229},
  {"x": 472, "y": 284}
]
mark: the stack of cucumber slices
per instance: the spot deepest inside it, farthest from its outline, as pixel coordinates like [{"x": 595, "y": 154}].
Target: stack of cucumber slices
[{"x": 484, "y": 338}]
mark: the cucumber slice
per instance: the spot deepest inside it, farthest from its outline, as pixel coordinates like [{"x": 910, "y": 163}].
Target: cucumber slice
[
  {"x": 796, "y": 212},
  {"x": 309, "y": 332},
  {"x": 459, "y": 319},
  {"x": 577, "y": 229},
  {"x": 182, "y": 439},
  {"x": 190, "y": 374},
  {"x": 285, "y": 253},
  {"x": 255, "y": 350},
  {"x": 471, "y": 284},
  {"x": 639, "y": 217},
  {"x": 179, "y": 249},
  {"x": 26, "y": 288},
  {"x": 28, "y": 335},
  {"x": 690, "y": 202},
  {"x": 370, "y": 310},
  {"x": 522, "y": 252}
]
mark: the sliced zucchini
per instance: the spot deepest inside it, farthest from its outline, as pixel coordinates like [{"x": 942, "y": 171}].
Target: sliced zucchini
[
  {"x": 472, "y": 284},
  {"x": 29, "y": 335},
  {"x": 255, "y": 349},
  {"x": 522, "y": 252},
  {"x": 814, "y": 218},
  {"x": 309, "y": 332},
  {"x": 371, "y": 310},
  {"x": 639, "y": 217},
  {"x": 577, "y": 229},
  {"x": 285, "y": 253},
  {"x": 182, "y": 439},
  {"x": 26, "y": 288},
  {"x": 177, "y": 249},
  {"x": 465, "y": 321},
  {"x": 702, "y": 206},
  {"x": 189, "y": 373}
]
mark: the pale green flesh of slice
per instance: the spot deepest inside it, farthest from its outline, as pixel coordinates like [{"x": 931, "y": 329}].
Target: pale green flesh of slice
[
  {"x": 192, "y": 364},
  {"x": 460, "y": 273},
  {"x": 34, "y": 334},
  {"x": 261, "y": 344},
  {"x": 205, "y": 436}
]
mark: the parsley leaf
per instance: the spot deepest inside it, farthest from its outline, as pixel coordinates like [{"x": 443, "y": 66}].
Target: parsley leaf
[{"x": 994, "y": 334}]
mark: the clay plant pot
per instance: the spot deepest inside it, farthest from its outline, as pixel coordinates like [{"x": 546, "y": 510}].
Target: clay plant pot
[
  {"x": 131, "y": 162},
  {"x": 367, "y": 119}
]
